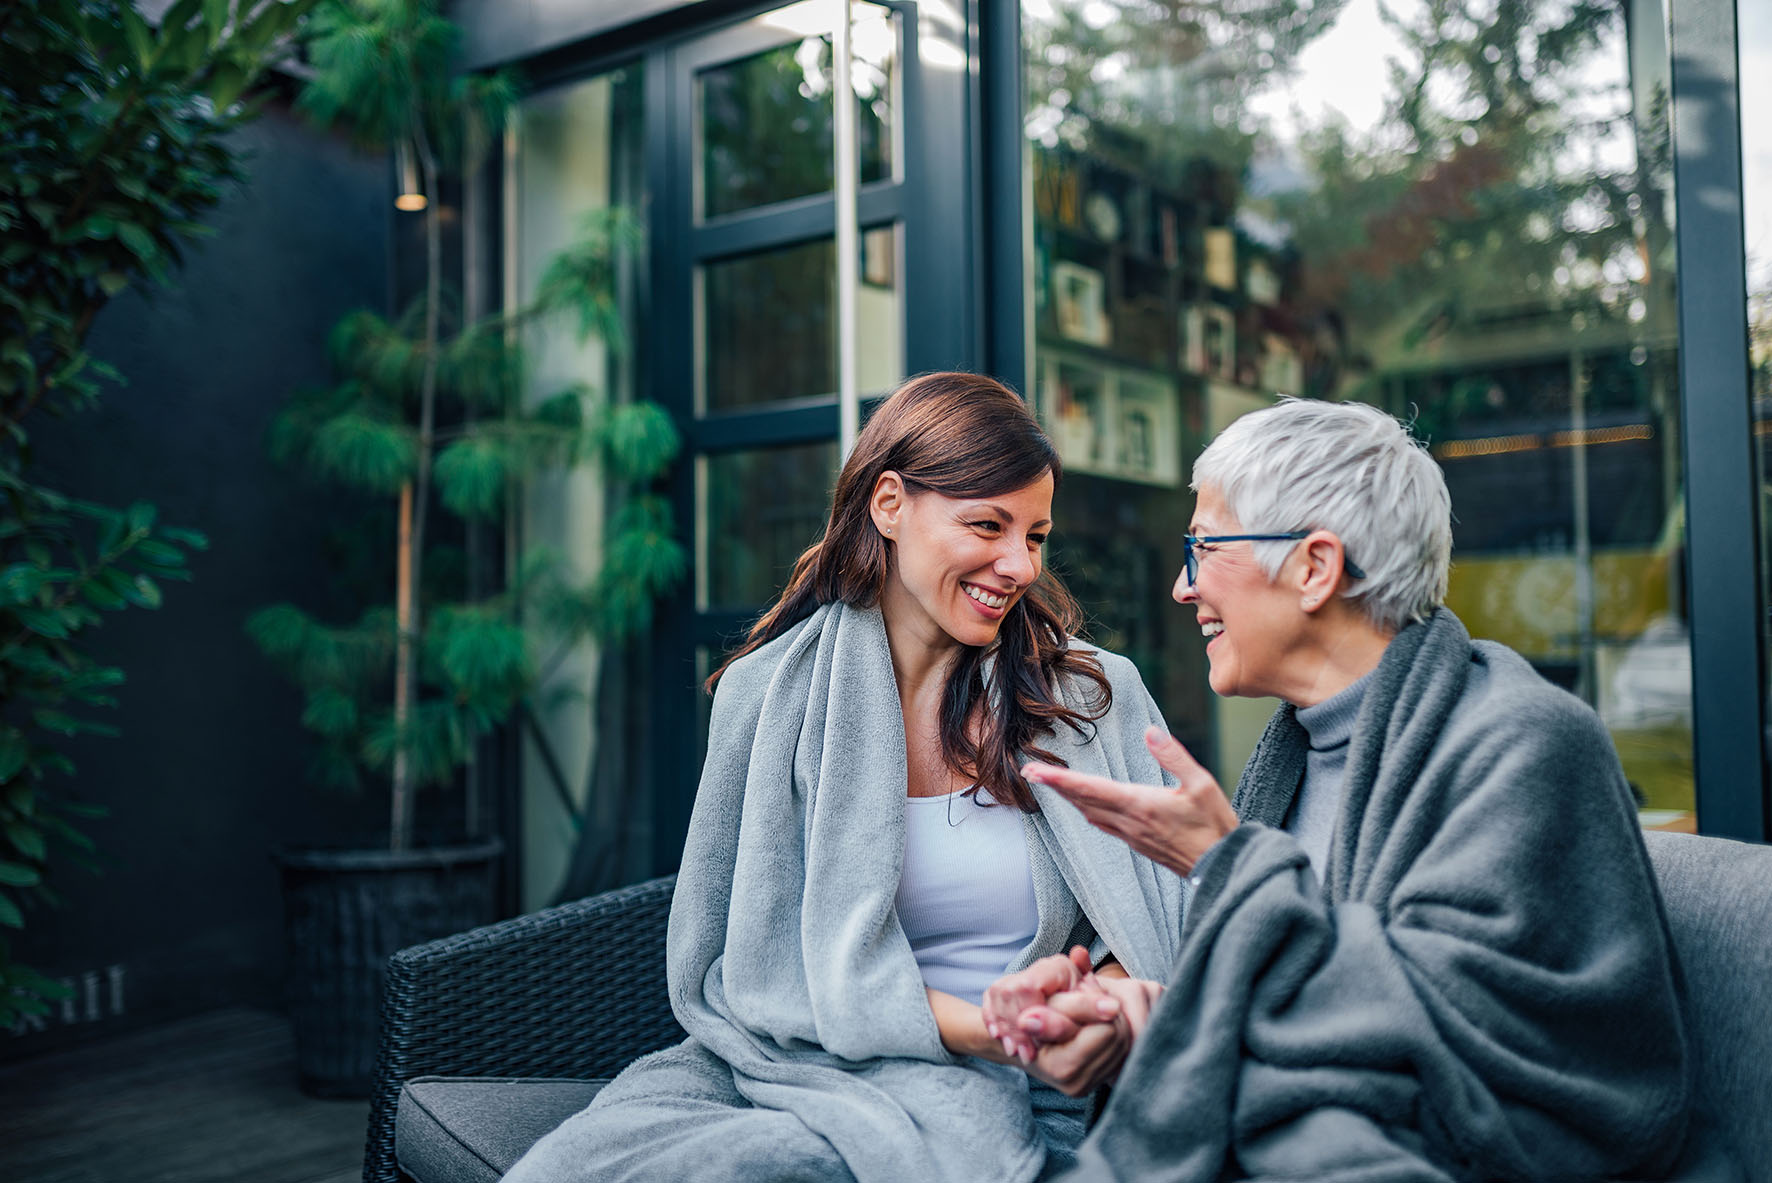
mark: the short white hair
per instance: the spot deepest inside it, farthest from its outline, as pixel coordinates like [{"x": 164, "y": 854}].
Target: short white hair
[{"x": 1350, "y": 469}]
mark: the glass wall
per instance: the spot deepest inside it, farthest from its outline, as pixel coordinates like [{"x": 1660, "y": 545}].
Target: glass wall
[
  {"x": 1460, "y": 214},
  {"x": 574, "y": 150},
  {"x": 1754, "y": 41}
]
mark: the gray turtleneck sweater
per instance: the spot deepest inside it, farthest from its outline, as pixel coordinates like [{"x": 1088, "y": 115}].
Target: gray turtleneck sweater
[{"x": 1329, "y": 726}]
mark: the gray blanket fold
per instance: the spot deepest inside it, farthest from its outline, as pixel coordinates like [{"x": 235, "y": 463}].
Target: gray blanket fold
[
  {"x": 812, "y": 1051},
  {"x": 1482, "y": 989}
]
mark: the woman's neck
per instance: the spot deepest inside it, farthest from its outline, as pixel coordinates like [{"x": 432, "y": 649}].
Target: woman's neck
[
  {"x": 1336, "y": 656},
  {"x": 922, "y": 652}
]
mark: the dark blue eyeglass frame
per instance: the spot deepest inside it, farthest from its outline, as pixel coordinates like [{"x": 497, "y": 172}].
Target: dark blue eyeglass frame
[{"x": 1190, "y": 562}]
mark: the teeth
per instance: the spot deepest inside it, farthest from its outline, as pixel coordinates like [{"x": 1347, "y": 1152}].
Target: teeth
[
  {"x": 1212, "y": 629},
  {"x": 984, "y": 597}
]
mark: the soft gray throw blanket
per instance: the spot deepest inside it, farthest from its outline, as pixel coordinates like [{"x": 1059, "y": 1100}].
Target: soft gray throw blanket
[
  {"x": 812, "y": 1051},
  {"x": 1481, "y": 990}
]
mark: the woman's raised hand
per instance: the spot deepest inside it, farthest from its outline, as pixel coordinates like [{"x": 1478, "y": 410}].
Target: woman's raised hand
[{"x": 1174, "y": 827}]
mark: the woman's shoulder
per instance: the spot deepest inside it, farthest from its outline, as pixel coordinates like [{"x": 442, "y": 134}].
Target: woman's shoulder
[
  {"x": 1124, "y": 681},
  {"x": 753, "y": 671},
  {"x": 1119, "y": 669}
]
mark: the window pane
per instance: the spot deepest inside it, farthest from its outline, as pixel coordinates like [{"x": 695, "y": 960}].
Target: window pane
[
  {"x": 1754, "y": 33},
  {"x": 765, "y": 122},
  {"x": 756, "y": 511},
  {"x": 578, "y": 151},
  {"x": 770, "y": 328},
  {"x": 1477, "y": 239}
]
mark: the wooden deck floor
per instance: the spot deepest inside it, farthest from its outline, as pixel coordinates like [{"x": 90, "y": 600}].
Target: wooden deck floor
[{"x": 210, "y": 1099}]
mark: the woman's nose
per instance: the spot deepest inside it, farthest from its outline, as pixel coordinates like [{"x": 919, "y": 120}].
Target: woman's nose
[
  {"x": 1183, "y": 592},
  {"x": 1016, "y": 561}
]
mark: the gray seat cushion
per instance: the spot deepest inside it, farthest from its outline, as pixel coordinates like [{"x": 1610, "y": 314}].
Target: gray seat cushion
[
  {"x": 1719, "y": 904},
  {"x": 474, "y": 1129}
]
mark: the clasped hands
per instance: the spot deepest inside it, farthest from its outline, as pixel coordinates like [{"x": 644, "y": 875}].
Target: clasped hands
[
  {"x": 1067, "y": 1023},
  {"x": 1064, "y": 1021}
]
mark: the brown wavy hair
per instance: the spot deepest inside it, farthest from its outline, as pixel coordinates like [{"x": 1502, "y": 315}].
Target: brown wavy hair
[{"x": 963, "y": 436}]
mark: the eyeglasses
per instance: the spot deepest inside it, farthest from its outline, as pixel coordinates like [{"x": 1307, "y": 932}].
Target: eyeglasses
[{"x": 1190, "y": 559}]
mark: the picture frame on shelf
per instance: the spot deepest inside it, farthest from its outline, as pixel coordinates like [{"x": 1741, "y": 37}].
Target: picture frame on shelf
[
  {"x": 1074, "y": 405},
  {"x": 1147, "y": 429},
  {"x": 1209, "y": 340},
  {"x": 1110, "y": 421},
  {"x": 1079, "y": 302}
]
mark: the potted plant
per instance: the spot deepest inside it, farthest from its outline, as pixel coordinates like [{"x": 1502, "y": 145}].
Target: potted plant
[{"x": 433, "y": 415}]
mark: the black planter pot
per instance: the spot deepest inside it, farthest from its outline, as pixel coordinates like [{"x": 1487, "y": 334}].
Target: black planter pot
[{"x": 347, "y": 911}]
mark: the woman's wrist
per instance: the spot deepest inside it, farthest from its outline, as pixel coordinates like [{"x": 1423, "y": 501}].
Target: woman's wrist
[{"x": 961, "y": 1025}]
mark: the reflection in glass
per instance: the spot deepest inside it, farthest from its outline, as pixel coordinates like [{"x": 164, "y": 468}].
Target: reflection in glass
[
  {"x": 756, "y": 511},
  {"x": 577, "y": 149},
  {"x": 1754, "y": 39},
  {"x": 769, "y": 327},
  {"x": 765, "y": 122},
  {"x": 1477, "y": 239}
]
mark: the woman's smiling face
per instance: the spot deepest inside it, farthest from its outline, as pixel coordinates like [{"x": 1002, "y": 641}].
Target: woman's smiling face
[
  {"x": 1250, "y": 620},
  {"x": 960, "y": 564}
]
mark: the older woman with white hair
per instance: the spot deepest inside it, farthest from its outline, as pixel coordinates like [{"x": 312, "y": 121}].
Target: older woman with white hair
[{"x": 1423, "y": 940}]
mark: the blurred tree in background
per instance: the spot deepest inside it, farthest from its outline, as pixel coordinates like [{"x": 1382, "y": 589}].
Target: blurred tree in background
[
  {"x": 435, "y": 410},
  {"x": 116, "y": 144}
]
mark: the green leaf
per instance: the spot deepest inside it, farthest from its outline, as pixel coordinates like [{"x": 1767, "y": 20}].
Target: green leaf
[
  {"x": 471, "y": 476},
  {"x": 143, "y": 592},
  {"x": 100, "y": 594},
  {"x": 15, "y": 751},
  {"x": 112, "y": 282},
  {"x": 136, "y": 30},
  {"x": 139, "y": 241},
  {"x": 46, "y": 622},
  {"x": 215, "y": 18},
  {"x": 27, "y": 840},
  {"x": 56, "y": 721},
  {"x": 191, "y": 539},
  {"x": 226, "y": 85},
  {"x": 640, "y": 440},
  {"x": 19, "y": 875},
  {"x": 20, "y": 583},
  {"x": 9, "y": 913},
  {"x": 330, "y": 712},
  {"x": 368, "y": 452}
]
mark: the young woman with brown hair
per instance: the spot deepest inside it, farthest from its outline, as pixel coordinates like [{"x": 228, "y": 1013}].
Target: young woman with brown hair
[{"x": 865, "y": 858}]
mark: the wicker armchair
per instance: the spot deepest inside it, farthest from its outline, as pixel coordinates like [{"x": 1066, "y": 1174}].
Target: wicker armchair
[{"x": 573, "y": 991}]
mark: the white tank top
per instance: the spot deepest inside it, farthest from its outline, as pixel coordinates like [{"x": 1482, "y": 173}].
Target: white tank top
[{"x": 966, "y": 895}]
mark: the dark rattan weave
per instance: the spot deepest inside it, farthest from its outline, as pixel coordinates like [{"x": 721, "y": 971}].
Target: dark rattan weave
[{"x": 573, "y": 991}]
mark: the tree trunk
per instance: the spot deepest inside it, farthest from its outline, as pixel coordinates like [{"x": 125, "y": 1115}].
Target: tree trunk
[
  {"x": 405, "y": 605},
  {"x": 415, "y": 509}
]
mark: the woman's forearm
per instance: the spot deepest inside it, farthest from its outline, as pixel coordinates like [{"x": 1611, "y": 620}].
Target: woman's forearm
[{"x": 962, "y": 1027}]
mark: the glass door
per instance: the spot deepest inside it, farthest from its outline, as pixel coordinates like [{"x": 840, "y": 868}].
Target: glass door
[{"x": 745, "y": 343}]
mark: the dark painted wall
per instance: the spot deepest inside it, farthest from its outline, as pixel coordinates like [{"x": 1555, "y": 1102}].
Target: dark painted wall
[{"x": 207, "y": 779}]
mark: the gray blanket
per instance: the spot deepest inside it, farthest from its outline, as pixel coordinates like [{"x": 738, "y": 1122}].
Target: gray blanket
[
  {"x": 812, "y": 1051},
  {"x": 1482, "y": 989}
]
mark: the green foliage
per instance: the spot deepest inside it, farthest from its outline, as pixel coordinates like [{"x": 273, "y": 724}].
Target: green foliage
[
  {"x": 116, "y": 147},
  {"x": 432, "y": 405}
]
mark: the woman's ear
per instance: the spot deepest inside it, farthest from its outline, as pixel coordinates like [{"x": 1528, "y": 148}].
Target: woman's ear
[
  {"x": 887, "y": 502},
  {"x": 1324, "y": 562}
]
